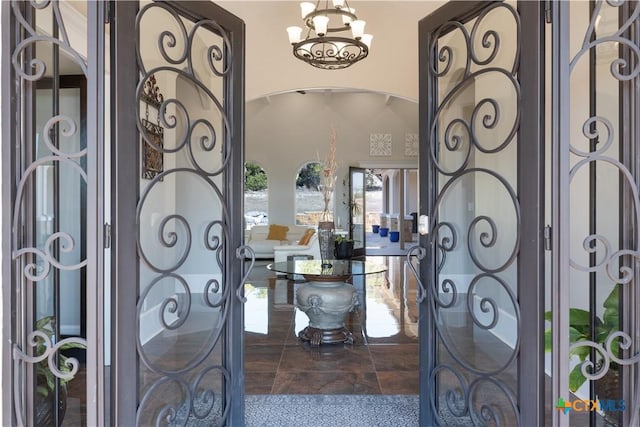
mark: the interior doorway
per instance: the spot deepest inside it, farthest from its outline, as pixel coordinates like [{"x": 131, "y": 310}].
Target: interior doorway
[{"x": 392, "y": 203}]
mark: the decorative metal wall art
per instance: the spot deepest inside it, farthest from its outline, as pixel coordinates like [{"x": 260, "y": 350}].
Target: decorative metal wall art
[
  {"x": 380, "y": 144},
  {"x": 152, "y": 149},
  {"x": 411, "y": 144}
]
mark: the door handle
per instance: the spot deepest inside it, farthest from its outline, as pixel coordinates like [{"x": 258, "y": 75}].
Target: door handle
[{"x": 423, "y": 225}]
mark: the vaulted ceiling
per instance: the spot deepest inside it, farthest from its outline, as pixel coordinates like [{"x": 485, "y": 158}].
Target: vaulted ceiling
[{"x": 390, "y": 68}]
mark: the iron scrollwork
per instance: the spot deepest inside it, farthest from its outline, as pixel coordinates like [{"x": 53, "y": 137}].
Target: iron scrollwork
[
  {"x": 614, "y": 266},
  {"x": 242, "y": 253},
  {"x": 459, "y": 140},
  {"x": 197, "y": 151},
  {"x": 37, "y": 263}
]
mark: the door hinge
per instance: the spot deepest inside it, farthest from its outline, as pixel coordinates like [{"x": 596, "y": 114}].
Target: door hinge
[
  {"x": 107, "y": 235},
  {"x": 547, "y": 238},
  {"x": 547, "y": 12},
  {"x": 107, "y": 12}
]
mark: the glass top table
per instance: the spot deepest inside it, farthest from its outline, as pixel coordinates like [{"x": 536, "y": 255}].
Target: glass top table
[
  {"x": 339, "y": 269},
  {"x": 326, "y": 298}
]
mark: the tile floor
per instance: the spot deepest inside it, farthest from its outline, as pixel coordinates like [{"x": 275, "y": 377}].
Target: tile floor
[
  {"x": 384, "y": 356},
  {"x": 382, "y": 360}
]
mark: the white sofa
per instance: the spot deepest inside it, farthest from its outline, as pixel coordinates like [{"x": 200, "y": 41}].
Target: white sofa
[
  {"x": 280, "y": 253},
  {"x": 263, "y": 248}
]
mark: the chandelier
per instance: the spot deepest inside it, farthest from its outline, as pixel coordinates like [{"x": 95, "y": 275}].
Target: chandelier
[{"x": 322, "y": 49}]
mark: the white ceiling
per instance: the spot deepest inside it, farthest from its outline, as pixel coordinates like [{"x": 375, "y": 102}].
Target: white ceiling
[{"x": 391, "y": 68}]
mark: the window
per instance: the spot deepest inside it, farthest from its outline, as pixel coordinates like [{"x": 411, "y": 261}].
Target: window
[
  {"x": 309, "y": 204},
  {"x": 256, "y": 195}
]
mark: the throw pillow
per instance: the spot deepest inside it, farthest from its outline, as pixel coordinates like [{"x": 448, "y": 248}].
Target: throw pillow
[
  {"x": 277, "y": 232},
  {"x": 306, "y": 237}
]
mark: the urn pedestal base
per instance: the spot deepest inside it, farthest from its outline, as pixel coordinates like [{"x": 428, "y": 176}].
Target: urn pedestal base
[
  {"x": 327, "y": 304},
  {"x": 316, "y": 336}
]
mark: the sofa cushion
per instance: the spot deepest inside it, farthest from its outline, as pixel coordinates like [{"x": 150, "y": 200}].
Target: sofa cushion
[
  {"x": 263, "y": 248},
  {"x": 258, "y": 232},
  {"x": 280, "y": 253},
  {"x": 306, "y": 237},
  {"x": 277, "y": 232}
]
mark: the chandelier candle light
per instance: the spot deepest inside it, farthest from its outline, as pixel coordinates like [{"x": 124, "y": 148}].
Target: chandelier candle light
[{"x": 330, "y": 52}]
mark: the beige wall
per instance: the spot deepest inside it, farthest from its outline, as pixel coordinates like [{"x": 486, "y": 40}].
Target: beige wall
[{"x": 289, "y": 130}]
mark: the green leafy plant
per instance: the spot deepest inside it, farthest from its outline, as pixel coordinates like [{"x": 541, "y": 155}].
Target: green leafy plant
[
  {"x": 343, "y": 247},
  {"x": 46, "y": 380},
  {"x": 342, "y": 239},
  {"x": 255, "y": 178},
  {"x": 354, "y": 207},
  {"x": 580, "y": 330}
]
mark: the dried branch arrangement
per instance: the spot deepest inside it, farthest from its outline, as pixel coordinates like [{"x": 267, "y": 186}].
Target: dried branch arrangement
[{"x": 329, "y": 168}]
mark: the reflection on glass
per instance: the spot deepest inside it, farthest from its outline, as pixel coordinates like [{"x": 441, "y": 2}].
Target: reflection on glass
[
  {"x": 381, "y": 321},
  {"x": 256, "y": 206},
  {"x": 256, "y": 309},
  {"x": 338, "y": 268},
  {"x": 357, "y": 208},
  {"x": 309, "y": 197},
  {"x": 60, "y": 207},
  {"x": 391, "y": 308}
]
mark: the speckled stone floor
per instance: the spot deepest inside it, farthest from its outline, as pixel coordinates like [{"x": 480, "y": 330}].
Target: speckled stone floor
[{"x": 331, "y": 411}]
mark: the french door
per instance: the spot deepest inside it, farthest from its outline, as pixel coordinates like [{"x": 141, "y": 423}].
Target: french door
[
  {"x": 481, "y": 171},
  {"x": 595, "y": 216},
  {"x": 491, "y": 190},
  {"x": 357, "y": 209},
  {"x": 178, "y": 213},
  {"x": 53, "y": 141},
  {"x": 122, "y": 138}
]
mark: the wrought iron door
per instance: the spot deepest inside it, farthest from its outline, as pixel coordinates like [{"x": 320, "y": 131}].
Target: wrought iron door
[
  {"x": 595, "y": 219},
  {"x": 178, "y": 219},
  {"x": 52, "y": 211},
  {"x": 480, "y": 180}
]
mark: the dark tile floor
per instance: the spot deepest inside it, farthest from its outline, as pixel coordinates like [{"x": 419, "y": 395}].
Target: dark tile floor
[{"x": 383, "y": 358}]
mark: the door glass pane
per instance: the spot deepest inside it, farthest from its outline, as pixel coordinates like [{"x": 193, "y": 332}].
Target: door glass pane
[
  {"x": 60, "y": 200},
  {"x": 309, "y": 196},
  {"x": 62, "y": 208},
  {"x": 477, "y": 217},
  {"x": 602, "y": 211},
  {"x": 356, "y": 206},
  {"x": 182, "y": 219},
  {"x": 606, "y": 210},
  {"x": 256, "y": 196},
  {"x": 49, "y": 248}
]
